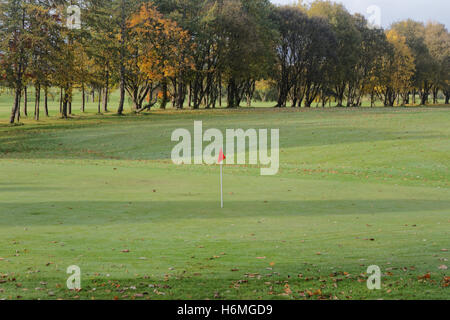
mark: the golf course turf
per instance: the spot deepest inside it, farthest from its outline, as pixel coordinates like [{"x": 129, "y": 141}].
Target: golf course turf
[{"x": 356, "y": 187}]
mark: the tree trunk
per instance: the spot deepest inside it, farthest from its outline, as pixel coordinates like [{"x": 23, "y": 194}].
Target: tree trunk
[
  {"x": 99, "y": 108},
  {"x": 435, "y": 95},
  {"x": 37, "y": 102},
  {"x": 165, "y": 95},
  {"x": 220, "y": 90},
  {"x": 16, "y": 105},
  {"x": 61, "y": 100},
  {"x": 189, "y": 94},
  {"x": 83, "y": 97},
  {"x": 18, "y": 109},
  {"x": 232, "y": 103},
  {"x": 65, "y": 101},
  {"x": 283, "y": 88},
  {"x": 424, "y": 98},
  {"x": 105, "y": 98},
  {"x": 123, "y": 37},
  {"x": 25, "y": 101},
  {"x": 181, "y": 95},
  {"x": 46, "y": 101}
]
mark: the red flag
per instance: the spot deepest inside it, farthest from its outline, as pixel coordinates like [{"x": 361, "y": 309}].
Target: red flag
[{"x": 221, "y": 156}]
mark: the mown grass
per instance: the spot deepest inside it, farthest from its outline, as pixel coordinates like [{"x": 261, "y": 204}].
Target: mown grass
[{"x": 357, "y": 187}]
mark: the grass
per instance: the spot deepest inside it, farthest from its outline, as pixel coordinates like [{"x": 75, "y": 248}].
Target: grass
[{"x": 357, "y": 187}]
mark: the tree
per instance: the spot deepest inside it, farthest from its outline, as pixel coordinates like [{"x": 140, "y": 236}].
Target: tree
[
  {"x": 108, "y": 21},
  {"x": 371, "y": 46},
  {"x": 348, "y": 44},
  {"x": 305, "y": 56},
  {"x": 15, "y": 48},
  {"x": 247, "y": 42},
  {"x": 437, "y": 39},
  {"x": 290, "y": 22},
  {"x": 44, "y": 36},
  {"x": 159, "y": 50},
  {"x": 398, "y": 69},
  {"x": 414, "y": 34}
]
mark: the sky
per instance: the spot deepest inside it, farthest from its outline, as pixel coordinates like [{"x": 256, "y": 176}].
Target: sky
[{"x": 395, "y": 10}]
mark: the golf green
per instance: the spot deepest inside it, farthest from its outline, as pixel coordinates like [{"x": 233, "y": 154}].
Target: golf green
[{"x": 356, "y": 187}]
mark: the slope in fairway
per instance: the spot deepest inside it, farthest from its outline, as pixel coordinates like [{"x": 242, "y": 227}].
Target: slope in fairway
[{"x": 356, "y": 188}]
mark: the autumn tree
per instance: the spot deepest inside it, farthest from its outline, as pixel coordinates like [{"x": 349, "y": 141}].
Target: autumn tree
[
  {"x": 158, "y": 48},
  {"x": 414, "y": 34},
  {"x": 437, "y": 39},
  {"x": 347, "y": 49},
  {"x": 398, "y": 70},
  {"x": 15, "y": 48}
]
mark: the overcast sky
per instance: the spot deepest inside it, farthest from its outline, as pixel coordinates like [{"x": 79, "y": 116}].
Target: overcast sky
[{"x": 394, "y": 10}]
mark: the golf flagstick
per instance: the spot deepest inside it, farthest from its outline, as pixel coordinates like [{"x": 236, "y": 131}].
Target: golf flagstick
[{"x": 221, "y": 158}]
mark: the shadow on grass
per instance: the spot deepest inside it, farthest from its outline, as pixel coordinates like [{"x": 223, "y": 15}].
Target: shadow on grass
[
  {"x": 152, "y": 141},
  {"x": 115, "y": 212}
]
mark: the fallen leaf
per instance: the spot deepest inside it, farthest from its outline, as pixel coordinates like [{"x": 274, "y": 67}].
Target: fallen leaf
[
  {"x": 287, "y": 289},
  {"x": 426, "y": 276}
]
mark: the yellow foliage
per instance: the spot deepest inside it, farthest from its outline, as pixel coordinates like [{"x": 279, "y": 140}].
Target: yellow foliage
[
  {"x": 400, "y": 69},
  {"x": 161, "y": 45}
]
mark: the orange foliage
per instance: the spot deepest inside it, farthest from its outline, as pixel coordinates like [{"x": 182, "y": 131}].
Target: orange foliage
[{"x": 162, "y": 46}]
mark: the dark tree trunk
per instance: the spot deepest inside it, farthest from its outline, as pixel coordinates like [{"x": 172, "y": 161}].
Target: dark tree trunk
[
  {"x": 16, "y": 103},
  {"x": 25, "y": 101},
  {"x": 190, "y": 95},
  {"x": 294, "y": 101},
  {"x": 123, "y": 31},
  {"x": 37, "y": 102},
  {"x": 181, "y": 95},
  {"x": 65, "y": 102},
  {"x": 231, "y": 93},
  {"x": 83, "y": 97},
  {"x": 165, "y": 95},
  {"x": 61, "y": 97},
  {"x": 424, "y": 98},
  {"x": 105, "y": 98},
  {"x": 99, "y": 108},
  {"x": 220, "y": 89},
  {"x": 46, "y": 101},
  {"x": 435, "y": 95},
  {"x": 122, "y": 93},
  {"x": 18, "y": 109},
  {"x": 283, "y": 88}
]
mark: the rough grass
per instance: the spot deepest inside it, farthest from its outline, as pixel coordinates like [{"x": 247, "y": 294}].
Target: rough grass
[{"x": 356, "y": 188}]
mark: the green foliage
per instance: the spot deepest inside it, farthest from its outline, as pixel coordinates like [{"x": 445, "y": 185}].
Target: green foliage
[{"x": 316, "y": 53}]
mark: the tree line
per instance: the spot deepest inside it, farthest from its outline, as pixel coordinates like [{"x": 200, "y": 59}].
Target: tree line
[{"x": 201, "y": 52}]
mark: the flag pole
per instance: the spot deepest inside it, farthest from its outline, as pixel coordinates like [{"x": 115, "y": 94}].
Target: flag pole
[
  {"x": 221, "y": 184},
  {"x": 221, "y": 158}
]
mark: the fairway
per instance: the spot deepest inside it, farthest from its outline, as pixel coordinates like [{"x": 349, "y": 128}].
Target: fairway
[{"x": 356, "y": 187}]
